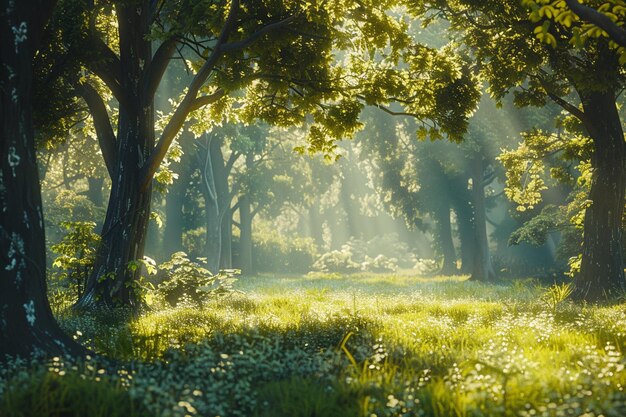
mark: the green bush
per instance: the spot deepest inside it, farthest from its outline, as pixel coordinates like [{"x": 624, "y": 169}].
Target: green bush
[
  {"x": 76, "y": 254},
  {"x": 339, "y": 261},
  {"x": 273, "y": 252},
  {"x": 67, "y": 205},
  {"x": 381, "y": 254},
  {"x": 188, "y": 281}
]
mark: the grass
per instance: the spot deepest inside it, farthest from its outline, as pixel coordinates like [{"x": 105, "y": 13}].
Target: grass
[{"x": 362, "y": 346}]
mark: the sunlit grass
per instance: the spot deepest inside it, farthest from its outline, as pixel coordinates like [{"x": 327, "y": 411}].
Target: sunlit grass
[{"x": 435, "y": 346}]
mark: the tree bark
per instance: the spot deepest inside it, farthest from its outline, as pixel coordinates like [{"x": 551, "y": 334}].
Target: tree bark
[
  {"x": 27, "y": 325},
  {"x": 94, "y": 192},
  {"x": 482, "y": 269},
  {"x": 446, "y": 244},
  {"x": 602, "y": 269},
  {"x": 212, "y": 202},
  {"x": 465, "y": 224},
  {"x": 222, "y": 189},
  {"x": 115, "y": 274}
]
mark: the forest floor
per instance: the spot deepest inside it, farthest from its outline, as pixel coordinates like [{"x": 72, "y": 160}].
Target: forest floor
[{"x": 332, "y": 346}]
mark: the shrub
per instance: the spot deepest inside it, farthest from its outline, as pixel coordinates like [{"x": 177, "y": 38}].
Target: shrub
[
  {"x": 64, "y": 205},
  {"x": 76, "y": 255},
  {"x": 339, "y": 261},
  {"x": 381, "y": 254},
  {"x": 273, "y": 252},
  {"x": 188, "y": 281}
]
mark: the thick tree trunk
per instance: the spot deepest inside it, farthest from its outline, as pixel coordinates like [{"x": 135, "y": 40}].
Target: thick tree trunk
[
  {"x": 482, "y": 269},
  {"x": 123, "y": 233},
  {"x": 602, "y": 269},
  {"x": 446, "y": 244},
  {"x": 26, "y": 323},
  {"x": 113, "y": 281}
]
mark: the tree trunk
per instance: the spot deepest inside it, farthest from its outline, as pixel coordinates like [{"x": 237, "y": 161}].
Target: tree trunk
[
  {"x": 213, "y": 235},
  {"x": 174, "y": 203},
  {"x": 465, "y": 224},
  {"x": 482, "y": 269},
  {"x": 27, "y": 325},
  {"x": 222, "y": 190},
  {"x": 446, "y": 244},
  {"x": 115, "y": 274},
  {"x": 316, "y": 227},
  {"x": 226, "y": 260},
  {"x": 601, "y": 274},
  {"x": 94, "y": 192},
  {"x": 212, "y": 209},
  {"x": 245, "y": 237}
]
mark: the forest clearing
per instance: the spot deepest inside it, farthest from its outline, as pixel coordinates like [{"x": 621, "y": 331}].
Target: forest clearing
[
  {"x": 312, "y": 208},
  {"x": 324, "y": 345}
]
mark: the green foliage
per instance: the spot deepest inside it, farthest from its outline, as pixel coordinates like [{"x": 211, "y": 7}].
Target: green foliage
[
  {"x": 62, "y": 389},
  {"x": 556, "y": 19},
  {"x": 536, "y": 230},
  {"x": 75, "y": 255},
  {"x": 380, "y": 254},
  {"x": 436, "y": 347},
  {"x": 194, "y": 242},
  {"x": 339, "y": 261},
  {"x": 526, "y": 170},
  {"x": 557, "y": 294},
  {"x": 189, "y": 282},
  {"x": 273, "y": 252},
  {"x": 305, "y": 398}
]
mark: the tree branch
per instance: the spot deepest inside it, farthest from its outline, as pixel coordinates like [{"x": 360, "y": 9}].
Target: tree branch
[
  {"x": 206, "y": 100},
  {"x": 185, "y": 107},
  {"x": 231, "y": 161},
  {"x": 591, "y": 15},
  {"x": 107, "y": 67},
  {"x": 102, "y": 123},
  {"x": 159, "y": 64}
]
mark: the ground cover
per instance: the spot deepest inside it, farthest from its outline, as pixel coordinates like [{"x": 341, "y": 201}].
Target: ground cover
[{"x": 330, "y": 345}]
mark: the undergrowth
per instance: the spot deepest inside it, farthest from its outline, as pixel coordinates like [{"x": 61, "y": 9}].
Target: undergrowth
[{"x": 363, "y": 346}]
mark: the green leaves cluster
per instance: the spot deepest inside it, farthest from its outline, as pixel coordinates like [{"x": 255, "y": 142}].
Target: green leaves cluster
[
  {"x": 75, "y": 254},
  {"x": 558, "y": 20},
  {"x": 188, "y": 281}
]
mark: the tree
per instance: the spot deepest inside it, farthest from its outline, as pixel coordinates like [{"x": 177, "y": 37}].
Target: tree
[
  {"x": 275, "y": 59},
  {"x": 414, "y": 181},
  {"x": 582, "y": 74},
  {"x": 26, "y": 322}
]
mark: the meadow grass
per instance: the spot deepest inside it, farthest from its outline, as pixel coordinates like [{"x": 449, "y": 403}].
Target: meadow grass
[{"x": 361, "y": 345}]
